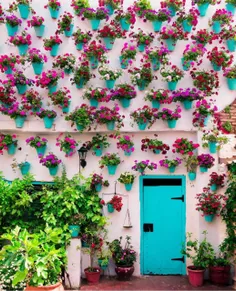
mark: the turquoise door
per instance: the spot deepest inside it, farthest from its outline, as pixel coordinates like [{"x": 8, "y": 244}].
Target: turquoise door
[{"x": 163, "y": 226}]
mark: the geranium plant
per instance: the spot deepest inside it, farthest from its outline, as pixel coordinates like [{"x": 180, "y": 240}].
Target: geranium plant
[
  {"x": 203, "y": 36},
  {"x": 173, "y": 5},
  {"x": 31, "y": 100},
  {"x": 13, "y": 20},
  {"x": 65, "y": 62},
  {"x": 157, "y": 56},
  {"x": 205, "y": 161},
  {"x": 98, "y": 180},
  {"x": 190, "y": 17},
  {"x": 172, "y": 74},
  {"x": 77, "y": 5},
  {"x": 82, "y": 37},
  {"x": 49, "y": 113},
  {"x": 109, "y": 160},
  {"x": 202, "y": 112},
  {"x": 155, "y": 145},
  {"x": 219, "y": 58},
  {"x": 160, "y": 15},
  {"x": 223, "y": 16},
  {"x": 142, "y": 166},
  {"x": 175, "y": 32},
  {"x": 18, "y": 78},
  {"x": 35, "y": 21},
  {"x": 142, "y": 76},
  {"x": 126, "y": 178},
  {"x": 191, "y": 164},
  {"x": 128, "y": 53},
  {"x": 214, "y": 136},
  {"x": 188, "y": 94},
  {"x": 167, "y": 163},
  {"x": 126, "y": 144},
  {"x": 8, "y": 62},
  {"x": 228, "y": 33},
  {"x": 65, "y": 22},
  {"x": 143, "y": 39},
  {"x": 36, "y": 142},
  {"x": 54, "y": 4},
  {"x": 35, "y": 56},
  {"x": 111, "y": 30},
  {"x": 99, "y": 13},
  {"x": 50, "y": 161},
  {"x": 61, "y": 98},
  {"x": 6, "y": 140},
  {"x": 142, "y": 5},
  {"x": 16, "y": 111},
  {"x": 7, "y": 97},
  {"x": 168, "y": 114},
  {"x": 105, "y": 115},
  {"x": 127, "y": 17},
  {"x": 123, "y": 92},
  {"x": 99, "y": 94},
  {"x": 230, "y": 73},
  {"x": 23, "y": 39},
  {"x": 81, "y": 75},
  {"x": 217, "y": 179},
  {"x": 191, "y": 54},
  {"x": 144, "y": 115},
  {"x": 109, "y": 74},
  {"x": 116, "y": 202},
  {"x": 95, "y": 50},
  {"x": 67, "y": 144},
  {"x": 161, "y": 96},
  {"x": 184, "y": 146},
  {"x": 49, "y": 78},
  {"x": 50, "y": 42},
  {"x": 98, "y": 142}
]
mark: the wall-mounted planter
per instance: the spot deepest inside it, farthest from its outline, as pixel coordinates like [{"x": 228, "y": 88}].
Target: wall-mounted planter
[
  {"x": 110, "y": 208},
  {"x": 171, "y": 43},
  {"x": 101, "y": 265},
  {"x": 142, "y": 86},
  {"x": 123, "y": 63},
  {"x": 67, "y": 71},
  {"x": 24, "y": 168},
  {"x": 212, "y": 147},
  {"x": 172, "y": 85},
  {"x": 19, "y": 121},
  {"x": 203, "y": 169},
  {"x": 214, "y": 187},
  {"x": 202, "y": 8},
  {"x": 157, "y": 152},
  {"x": 112, "y": 169},
  {"x": 156, "y": 25},
  {"x": 95, "y": 23},
  {"x": 231, "y": 8},
  {"x": 79, "y": 46},
  {"x": 93, "y": 62},
  {"x": 231, "y": 84},
  {"x": 48, "y": 122},
  {"x": 11, "y": 149},
  {"x": 141, "y": 47},
  {"x": 125, "y": 102},
  {"x": 128, "y": 153},
  {"x": 110, "y": 125},
  {"x": 110, "y": 84},
  {"x": 41, "y": 151},
  {"x": 192, "y": 176},
  {"x": 231, "y": 45},
  {"x": 79, "y": 127},
  {"x": 172, "y": 11},
  {"x": 172, "y": 169},
  {"x": 53, "y": 171},
  {"x": 8, "y": 70},
  {"x": 98, "y": 187},
  {"x": 24, "y": 10},
  {"x": 206, "y": 119},
  {"x": 187, "y": 104},
  {"x": 54, "y": 12},
  {"x": 23, "y": 48},
  {"x": 128, "y": 187},
  {"x": 66, "y": 109},
  {"x": 125, "y": 25},
  {"x": 155, "y": 64},
  {"x": 98, "y": 151},
  {"x": 21, "y": 89},
  {"x": 216, "y": 27},
  {"x": 186, "y": 26},
  {"x": 38, "y": 68},
  {"x": 69, "y": 32},
  {"x": 11, "y": 30},
  {"x": 74, "y": 229},
  {"x": 80, "y": 85},
  {"x": 93, "y": 102},
  {"x": 142, "y": 125},
  {"x": 216, "y": 68},
  {"x": 110, "y": 9},
  {"x": 109, "y": 42},
  {"x": 39, "y": 30},
  {"x": 54, "y": 50},
  {"x": 185, "y": 64},
  {"x": 172, "y": 123},
  {"x": 209, "y": 217},
  {"x": 156, "y": 104}
]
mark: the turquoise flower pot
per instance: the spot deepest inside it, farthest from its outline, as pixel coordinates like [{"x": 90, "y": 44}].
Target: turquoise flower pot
[
  {"x": 98, "y": 187},
  {"x": 54, "y": 50},
  {"x": 231, "y": 84},
  {"x": 203, "y": 169},
  {"x": 110, "y": 125},
  {"x": 94, "y": 102},
  {"x": 206, "y": 119},
  {"x": 110, "y": 84},
  {"x": 128, "y": 153},
  {"x": 202, "y": 8},
  {"x": 74, "y": 229},
  {"x": 35, "y": 109},
  {"x": 103, "y": 267},
  {"x": 128, "y": 187},
  {"x": 69, "y": 32},
  {"x": 98, "y": 152},
  {"x": 48, "y": 122},
  {"x": 187, "y": 104},
  {"x": 110, "y": 9},
  {"x": 141, "y": 47},
  {"x": 84, "y": 244},
  {"x": 209, "y": 217},
  {"x": 53, "y": 171},
  {"x": 19, "y": 121},
  {"x": 52, "y": 88},
  {"x": 8, "y": 70},
  {"x": 21, "y": 89},
  {"x": 124, "y": 24},
  {"x": 41, "y": 151},
  {"x": 24, "y": 10},
  {"x": 38, "y": 68},
  {"x": 142, "y": 125},
  {"x": 79, "y": 46},
  {"x": 172, "y": 85},
  {"x": 109, "y": 42},
  {"x": 192, "y": 176},
  {"x": 11, "y": 149},
  {"x": 11, "y": 30},
  {"x": 155, "y": 64},
  {"x": 23, "y": 48},
  {"x": 95, "y": 23},
  {"x": 185, "y": 65},
  {"x": 172, "y": 123},
  {"x": 123, "y": 63},
  {"x": 157, "y": 152},
  {"x": 54, "y": 13},
  {"x": 67, "y": 71},
  {"x": 112, "y": 169},
  {"x": 186, "y": 26},
  {"x": 93, "y": 62},
  {"x": 142, "y": 86},
  {"x": 110, "y": 208},
  {"x": 216, "y": 26},
  {"x": 212, "y": 147},
  {"x": 170, "y": 44},
  {"x": 231, "y": 8},
  {"x": 156, "y": 104},
  {"x": 25, "y": 168},
  {"x": 156, "y": 25},
  {"x": 66, "y": 109},
  {"x": 79, "y": 127},
  {"x": 125, "y": 102},
  {"x": 172, "y": 169},
  {"x": 214, "y": 187},
  {"x": 231, "y": 45},
  {"x": 39, "y": 30},
  {"x": 80, "y": 85},
  {"x": 172, "y": 11}
]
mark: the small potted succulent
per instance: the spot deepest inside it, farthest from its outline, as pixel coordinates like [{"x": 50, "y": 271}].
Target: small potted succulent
[
  {"x": 51, "y": 162},
  {"x": 173, "y": 5},
  {"x": 49, "y": 80},
  {"x": 127, "y": 179},
  {"x": 191, "y": 54},
  {"x": 65, "y": 24},
  {"x": 81, "y": 75},
  {"x": 144, "y": 117},
  {"x": 219, "y": 58},
  {"x": 171, "y": 35},
  {"x": 213, "y": 140},
  {"x": 18, "y": 79},
  {"x": 97, "y": 182},
  {"x": 124, "y": 93},
  {"x": 31, "y": 100},
  {"x": 81, "y": 38},
  {"x": 128, "y": 53},
  {"x": 230, "y": 74},
  {"x": 54, "y": 7},
  {"x": 143, "y": 39},
  {"x": 157, "y": 17},
  {"x": 67, "y": 144},
  {"x": 216, "y": 181},
  {"x": 8, "y": 62},
  {"x": 98, "y": 144},
  {"x": 220, "y": 18},
  {"x": 184, "y": 146},
  {"x": 203, "y": 36},
  {"x": 109, "y": 75},
  {"x": 228, "y": 35},
  {"x": 205, "y": 161},
  {"x": 172, "y": 76},
  {"x": 12, "y": 24},
  {"x": 157, "y": 56},
  {"x": 52, "y": 44},
  {"x": 187, "y": 96},
  {"x": 48, "y": 116},
  {"x": 22, "y": 41},
  {"x": 202, "y": 113},
  {"x": 40, "y": 144},
  {"x": 114, "y": 204},
  {"x": 171, "y": 116},
  {"x": 95, "y": 53},
  {"x": 9, "y": 143},
  {"x": 111, "y": 117},
  {"x": 111, "y": 161},
  {"x": 188, "y": 19},
  {"x": 125, "y": 18},
  {"x": 96, "y": 95},
  {"x": 17, "y": 112},
  {"x": 170, "y": 164},
  {"x": 37, "y": 59},
  {"x": 61, "y": 98},
  {"x": 109, "y": 33},
  {"x": 95, "y": 16},
  {"x": 142, "y": 166},
  {"x": 203, "y": 5},
  {"x": 126, "y": 144},
  {"x": 65, "y": 62},
  {"x": 191, "y": 164},
  {"x": 157, "y": 97},
  {"x": 155, "y": 145},
  {"x": 37, "y": 22}
]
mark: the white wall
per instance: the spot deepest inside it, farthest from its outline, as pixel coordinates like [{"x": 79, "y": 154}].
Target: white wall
[{"x": 195, "y": 223}]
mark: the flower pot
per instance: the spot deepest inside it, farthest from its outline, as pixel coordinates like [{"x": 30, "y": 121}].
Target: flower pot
[
  {"x": 19, "y": 121},
  {"x": 92, "y": 277},
  {"x": 206, "y": 119},
  {"x": 231, "y": 8},
  {"x": 75, "y": 229},
  {"x": 24, "y": 10},
  {"x": 38, "y": 68},
  {"x": 11, "y": 149},
  {"x": 231, "y": 84},
  {"x": 48, "y": 122},
  {"x": 186, "y": 26},
  {"x": 84, "y": 244},
  {"x": 123, "y": 63},
  {"x": 53, "y": 171},
  {"x": 8, "y": 70},
  {"x": 93, "y": 102},
  {"x": 21, "y": 89},
  {"x": 80, "y": 85},
  {"x": 111, "y": 169},
  {"x": 214, "y": 187},
  {"x": 23, "y": 48},
  {"x": 128, "y": 187},
  {"x": 219, "y": 275},
  {"x": 209, "y": 217},
  {"x": 156, "y": 104},
  {"x": 172, "y": 11},
  {"x": 95, "y": 23},
  {"x": 98, "y": 152},
  {"x": 55, "y": 287},
  {"x": 192, "y": 176},
  {"x": 93, "y": 62},
  {"x": 157, "y": 152},
  {"x": 110, "y": 208},
  {"x": 67, "y": 71},
  {"x": 171, "y": 43},
  {"x": 128, "y": 153},
  {"x": 110, "y": 125},
  {"x": 54, "y": 50},
  {"x": 109, "y": 42},
  {"x": 141, "y": 47},
  {"x": 11, "y": 30},
  {"x": 231, "y": 45},
  {"x": 216, "y": 27},
  {"x": 212, "y": 147},
  {"x": 66, "y": 109},
  {"x": 203, "y": 169},
  {"x": 41, "y": 151},
  {"x": 155, "y": 64},
  {"x": 52, "y": 88},
  {"x": 25, "y": 168},
  {"x": 142, "y": 125},
  {"x": 187, "y": 104},
  {"x": 39, "y": 30},
  {"x": 172, "y": 123},
  {"x": 110, "y": 9},
  {"x": 172, "y": 85},
  {"x": 172, "y": 169},
  {"x": 54, "y": 13},
  {"x": 102, "y": 266},
  {"x": 185, "y": 64},
  {"x": 124, "y": 24},
  {"x": 79, "y": 127},
  {"x": 156, "y": 25},
  {"x": 125, "y": 102},
  {"x": 202, "y": 8},
  {"x": 124, "y": 273},
  {"x": 195, "y": 276},
  {"x": 110, "y": 84},
  {"x": 216, "y": 68},
  {"x": 142, "y": 85},
  {"x": 69, "y": 32},
  {"x": 98, "y": 187},
  {"x": 79, "y": 46}
]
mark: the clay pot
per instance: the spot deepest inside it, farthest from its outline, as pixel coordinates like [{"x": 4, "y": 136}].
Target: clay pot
[
  {"x": 92, "y": 277},
  {"x": 55, "y": 287},
  {"x": 124, "y": 273},
  {"x": 195, "y": 276},
  {"x": 219, "y": 275}
]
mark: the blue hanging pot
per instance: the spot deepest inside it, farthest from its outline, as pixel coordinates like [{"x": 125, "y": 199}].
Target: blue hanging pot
[
  {"x": 125, "y": 25},
  {"x": 110, "y": 9},
  {"x": 172, "y": 85},
  {"x": 8, "y": 70},
  {"x": 214, "y": 187},
  {"x": 212, "y": 147},
  {"x": 185, "y": 64},
  {"x": 19, "y": 121},
  {"x": 187, "y": 104},
  {"x": 141, "y": 47},
  {"x": 110, "y": 84},
  {"x": 157, "y": 25},
  {"x": 109, "y": 42},
  {"x": 67, "y": 71},
  {"x": 54, "y": 13},
  {"x": 98, "y": 187},
  {"x": 111, "y": 169},
  {"x": 192, "y": 176},
  {"x": 24, "y": 10},
  {"x": 172, "y": 169},
  {"x": 186, "y": 26},
  {"x": 66, "y": 109},
  {"x": 156, "y": 151},
  {"x": 231, "y": 84},
  {"x": 21, "y": 88},
  {"x": 142, "y": 85},
  {"x": 53, "y": 171},
  {"x": 206, "y": 119},
  {"x": 24, "y": 168},
  {"x": 11, "y": 30},
  {"x": 231, "y": 45},
  {"x": 209, "y": 217},
  {"x": 38, "y": 68},
  {"x": 172, "y": 123},
  {"x": 128, "y": 153},
  {"x": 54, "y": 50},
  {"x": 94, "y": 102},
  {"x": 97, "y": 151},
  {"x": 202, "y": 8},
  {"x": 79, "y": 46},
  {"x": 52, "y": 88},
  {"x": 74, "y": 229},
  {"x": 156, "y": 104},
  {"x": 142, "y": 125},
  {"x": 23, "y": 48},
  {"x": 69, "y": 32},
  {"x": 216, "y": 26},
  {"x": 110, "y": 208},
  {"x": 172, "y": 11},
  {"x": 11, "y": 149},
  {"x": 171, "y": 43},
  {"x": 125, "y": 102},
  {"x": 110, "y": 125},
  {"x": 81, "y": 83},
  {"x": 231, "y": 8},
  {"x": 48, "y": 122},
  {"x": 39, "y": 30},
  {"x": 128, "y": 187},
  {"x": 80, "y": 127},
  {"x": 41, "y": 151},
  {"x": 155, "y": 64},
  {"x": 95, "y": 23},
  {"x": 203, "y": 169},
  {"x": 93, "y": 62},
  {"x": 123, "y": 63}
]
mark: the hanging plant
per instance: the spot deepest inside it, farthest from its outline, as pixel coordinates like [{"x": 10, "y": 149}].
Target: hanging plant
[
  {"x": 230, "y": 74},
  {"x": 18, "y": 79},
  {"x": 213, "y": 140},
  {"x": 67, "y": 144},
  {"x": 126, "y": 144},
  {"x": 205, "y": 161},
  {"x": 172, "y": 76},
  {"x": 111, "y": 161},
  {"x": 203, "y": 5},
  {"x": 142, "y": 77},
  {"x": 157, "y": 56},
  {"x": 8, "y": 62},
  {"x": 49, "y": 79},
  {"x": 109, "y": 75},
  {"x": 188, "y": 19},
  {"x": 31, "y": 100},
  {"x": 51, "y": 162},
  {"x": 17, "y": 112},
  {"x": 78, "y": 5},
  {"x": 141, "y": 5},
  {"x": 228, "y": 35},
  {"x": 123, "y": 93},
  {"x": 38, "y": 143},
  {"x": 128, "y": 53},
  {"x": 12, "y": 23},
  {"x": 192, "y": 54},
  {"x": 37, "y": 59},
  {"x": 7, "y": 97},
  {"x": 111, "y": 4},
  {"x": 65, "y": 62},
  {"x": 142, "y": 166},
  {"x": 126, "y": 178},
  {"x": 184, "y": 146},
  {"x": 220, "y": 18},
  {"x": 98, "y": 144},
  {"x": 61, "y": 98},
  {"x": 170, "y": 164},
  {"x": 155, "y": 145},
  {"x": 95, "y": 53},
  {"x": 24, "y": 166},
  {"x": 160, "y": 15},
  {"x": 48, "y": 116},
  {"x": 202, "y": 113},
  {"x": 81, "y": 38},
  {"x": 35, "y": 21},
  {"x": 54, "y": 7},
  {"x": 81, "y": 75},
  {"x": 8, "y": 142},
  {"x": 116, "y": 203},
  {"x": 144, "y": 116},
  {"x": 65, "y": 24},
  {"x": 22, "y": 41},
  {"x": 191, "y": 164},
  {"x": 143, "y": 39},
  {"x": 187, "y": 96},
  {"x": 52, "y": 44},
  {"x": 97, "y": 181},
  {"x": 171, "y": 116},
  {"x": 110, "y": 117},
  {"x": 1, "y": 14},
  {"x": 204, "y": 37},
  {"x": 173, "y": 5},
  {"x": 216, "y": 180},
  {"x": 125, "y": 18},
  {"x": 219, "y": 58},
  {"x": 99, "y": 13},
  {"x": 157, "y": 97},
  {"x": 96, "y": 95}
]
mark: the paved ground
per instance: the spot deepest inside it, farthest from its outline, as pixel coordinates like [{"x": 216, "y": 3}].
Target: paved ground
[{"x": 149, "y": 283}]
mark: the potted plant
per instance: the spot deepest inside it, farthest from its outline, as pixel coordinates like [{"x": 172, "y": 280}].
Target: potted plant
[
  {"x": 188, "y": 19},
  {"x": 230, "y": 74},
  {"x": 219, "y": 58},
  {"x": 18, "y": 79},
  {"x": 115, "y": 204},
  {"x": 40, "y": 144},
  {"x": 127, "y": 179},
  {"x": 170, "y": 164},
  {"x": 143, "y": 165},
  {"x": 184, "y": 146},
  {"x": 144, "y": 117},
  {"x": 109, "y": 75},
  {"x": 52, "y": 44},
  {"x": 74, "y": 224},
  {"x": 81, "y": 75},
  {"x": 187, "y": 96},
  {"x": 81, "y": 38},
  {"x": 202, "y": 113},
  {"x": 7, "y": 97},
  {"x": 155, "y": 145},
  {"x": 173, "y": 6},
  {"x": 171, "y": 116},
  {"x": 203, "y": 5},
  {"x": 8, "y": 62},
  {"x": 172, "y": 76},
  {"x": 51, "y": 162},
  {"x": 156, "y": 17},
  {"x": 157, "y": 97},
  {"x": 171, "y": 35},
  {"x": 216, "y": 181},
  {"x": 125, "y": 18},
  {"x": 110, "y": 117},
  {"x": 24, "y": 166},
  {"x": 22, "y": 42},
  {"x": 142, "y": 76},
  {"x": 205, "y": 161},
  {"x": 98, "y": 144},
  {"x": 191, "y": 55},
  {"x": 97, "y": 182},
  {"x": 143, "y": 39},
  {"x": 213, "y": 140},
  {"x": 17, "y": 112},
  {"x": 191, "y": 164},
  {"x": 61, "y": 98},
  {"x": 124, "y": 258},
  {"x": 65, "y": 62},
  {"x": 142, "y": 5},
  {"x": 95, "y": 53},
  {"x": 123, "y": 93},
  {"x": 78, "y": 5},
  {"x": 126, "y": 144},
  {"x": 220, "y": 18},
  {"x": 230, "y": 6},
  {"x": 12, "y": 24},
  {"x": 49, "y": 80},
  {"x": 109, "y": 33},
  {"x": 111, "y": 161},
  {"x": 54, "y": 7},
  {"x": 65, "y": 24},
  {"x": 67, "y": 144},
  {"x": 31, "y": 100},
  {"x": 228, "y": 34},
  {"x": 157, "y": 56},
  {"x": 48, "y": 116},
  {"x": 104, "y": 256},
  {"x": 37, "y": 59},
  {"x": 8, "y": 142},
  {"x": 203, "y": 36},
  {"x": 201, "y": 253},
  {"x": 128, "y": 53},
  {"x": 82, "y": 116},
  {"x": 95, "y": 16},
  {"x": 37, "y": 22},
  {"x": 111, "y": 5}
]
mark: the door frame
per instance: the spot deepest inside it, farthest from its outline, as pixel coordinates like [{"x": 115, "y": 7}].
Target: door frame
[{"x": 141, "y": 198}]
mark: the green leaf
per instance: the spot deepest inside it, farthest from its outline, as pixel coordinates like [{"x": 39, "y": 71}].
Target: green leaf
[{"x": 19, "y": 277}]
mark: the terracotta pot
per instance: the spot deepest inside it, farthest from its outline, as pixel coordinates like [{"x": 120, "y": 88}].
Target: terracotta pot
[
  {"x": 124, "y": 273},
  {"x": 56, "y": 287},
  {"x": 195, "y": 276},
  {"x": 219, "y": 275},
  {"x": 92, "y": 277}
]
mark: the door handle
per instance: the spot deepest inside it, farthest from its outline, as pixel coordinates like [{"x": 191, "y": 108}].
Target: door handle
[
  {"x": 148, "y": 227},
  {"x": 179, "y": 259}
]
